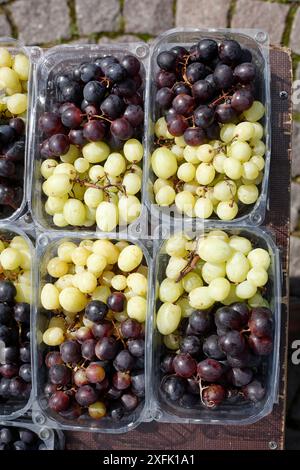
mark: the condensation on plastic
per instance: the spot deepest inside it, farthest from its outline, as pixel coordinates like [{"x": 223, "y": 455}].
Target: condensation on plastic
[
  {"x": 13, "y": 409},
  {"x": 258, "y": 43},
  {"x": 61, "y": 59},
  {"x": 53, "y": 439},
  {"x": 235, "y": 414},
  {"x": 15, "y": 46},
  {"x": 46, "y": 247}
]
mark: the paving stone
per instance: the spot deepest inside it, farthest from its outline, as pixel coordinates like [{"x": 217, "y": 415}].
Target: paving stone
[
  {"x": 149, "y": 16},
  {"x": 296, "y": 149},
  {"x": 126, "y": 38},
  {"x": 295, "y": 33},
  {"x": 294, "y": 257},
  {"x": 96, "y": 16},
  {"x": 4, "y": 26},
  {"x": 201, "y": 14},
  {"x": 257, "y": 14},
  {"x": 41, "y": 21},
  {"x": 295, "y": 205}
]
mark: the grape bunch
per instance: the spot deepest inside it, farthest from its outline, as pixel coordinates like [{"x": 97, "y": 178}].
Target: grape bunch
[
  {"x": 209, "y": 149},
  {"x": 13, "y": 438},
  {"x": 15, "y": 292},
  {"x": 217, "y": 357},
  {"x": 91, "y": 144},
  {"x": 14, "y": 71},
  {"x": 98, "y": 300}
]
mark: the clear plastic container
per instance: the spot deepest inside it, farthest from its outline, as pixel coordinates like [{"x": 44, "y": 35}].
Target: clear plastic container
[
  {"x": 258, "y": 43},
  {"x": 52, "y": 439},
  {"x": 236, "y": 414},
  {"x": 46, "y": 248},
  {"x": 15, "y": 47},
  {"x": 13, "y": 408},
  {"x": 61, "y": 59}
]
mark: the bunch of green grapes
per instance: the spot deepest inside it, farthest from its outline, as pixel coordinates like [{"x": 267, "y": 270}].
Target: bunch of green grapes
[
  {"x": 14, "y": 72},
  {"x": 213, "y": 178},
  {"x": 214, "y": 268},
  {"x": 94, "y": 185}
]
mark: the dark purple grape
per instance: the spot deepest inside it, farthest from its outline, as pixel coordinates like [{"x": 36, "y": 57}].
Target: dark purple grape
[
  {"x": 107, "y": 348},
  {"x": 7, "y": 195},
  {"x": 225, "y": 113},
  {"x": 7, "y": 134},
  {"x": 4, "y": 387},
  {"x": 177, "y": 125},
  {"x": 196, "y": 71},
  {"x": 71, "y": 117},
  {"x": 123, "y": 361},
  {"x": 136, "y": 99},
  {"x": 25, "y": 372},
  {"x": 50, "y": 123},
  {"x": 59, "y": 144},
  {"x": 194, "y": 55},
  {"x": 260, "y": 326},
  {"x": 125, "y": 89},
  {"x": 138, "y": 384},
  {"x": 136, "y": 347},
  {"x": 121, "y": 129},
  {"x": 194, "y": 136},
  {"x": 212, "y": 349},
  {"x": 62, "y": 80},
  {"x": 230, "y": 51},
  {"x": 213, "y": 395},
  {"x": 102, "y": 329},
  {"x": 102, "y": 387},
  {"x": 96, "y": 310},
  {"x": 94, "y": 92},
  {"x": 18, "y": 125},
  {"x": 27, "y": 436},
  {"x": 71, "y": 92},
  {"x": 167, "y": 60},
  {"x": 59, "y": 401},
  {"x": 11, "y": 355},
  {"x": 240, "y": 376},
  {"x": 131, "y": 64},
  {"x": 213, "y": 132},
  {"x": 191, "y": 345},
  {"x": 173, "y": 387},
  {"x": 208, "y": 49},
  {"x": 113, "y": 106},
  {"x": 164, "y": 97},
  {"x": 53, "y": 358},
  {"x": 116, "y": 411},
  {"x": 228, "y": 319},
  {"x": 5, "y": 314},
  {"x": 204, "y": 116},
  {"x": 17, "y": 386},
  {"x": 121, "y": 380},
  {"x": 86, "y": 395},
  {"x": 83, "y": 333},
  {"x": 232, "y": 342},
  {"x": 49, "y": 389},
  {"x": 131, "y": 328},
  {"x": 165, "y": 79},
  {"x": 180, "y": 51},
  {"x": 25, "y": 353},
  {"x": 181, "y": 88},
  {"x": 183, "y": 104},
  {"x": 202, "y": 91},
  {"x": 243, "y": 310},
  {"x": 60, "y": 374},
  {"x": 246, "y": 55},
  {"x": 189, "y": 400},
  {"x": 200, "y": 321},
  {"x": 166, "y": 364},
  {"x": 70, "y": 351},
  {"x": 115, "y": 72},
  {"x": 76, "y": 137},
  {"x": 19, "y": 445},
  {"x": 130, "y": 401},
  {"x": 88, "y": 349},
  {"x": 223, "y": 76},
  {"x": 89, "y": 72},
  {"x": 105, "y": 61},
  {"x": 22, "y": 312},
  {"x": 9, "y": 370},
  {"x": 7, "y": 291},
  {"x": 116, "y": 301},
  {"x": 192, "y": 386},
  {"x": 7, "y": 435},
  {"x": 184, "y": 365},
  {"x": 134, "y": 114},
  {"x": 254, "y": 391},
  {"x": 244, "y": 73},
  {"x": 73, "y": 412},
  {"x": 210, "y": 370},
  {"x": 241, "y": 100},
  {"x": 7, "y": 168},
  {"x": 261, "y": 346}
]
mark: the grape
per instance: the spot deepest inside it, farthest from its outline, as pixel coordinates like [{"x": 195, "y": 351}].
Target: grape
[
  {"x": 204, "y": 116},
  {"x": 7, "y": 291},
  {"x": 210, "y": 370},
  {"x": 173, "y": 387},
  {"x": 212, "y": 349},
  {"x": 184, "y": 365},
  {"x": 121, "y": 129},
  {"x": 240, "y": 377},
  {"x": 59, "y": 144},
  {"x": 195, "y": 72},
  {"x": 95, "y": 373},
  {"x": 71, "y": 92},
  {"x": 134, "y": 114},
  {"x": 59, "y": 374},
  {"x": 116, "y": 302},
  {"x": 86, "y": 395},
  {"x": 255, "y": 111},
  {"x": 96, "y": 311},
  {"x": 223, "y": 76},
  {"x": 254, "y": 391},
  {"x": 93, "y": 131},
  {"x": 49, "y": 123},
  {"x": 183, "y": 104},
  {"x": 106, "y": 348},
  {"x": 138, "y": 384},
  {"x": 130, "y": 329},
  {"x": 213, "y": 395},
  {"x": 25, "y": 372},
  {"x": 166, "y": 364},
  {"x": 70, "y": 351},
  {"x": 121, "y": 380},
  {"x": 208, "y": 49},
  {"x": 131, "y": 65},
  {"x": 230, "y": 51},
  {"x": 136, "y": 347},
  {"x": 225, "y": 113},
  {"x": 262, "y": 346},
  {"x": 88, "y": 349},
  {"x": 115, "y": 72},
  {"x": 168, "y": 318},
  {"x": 177, "y": 125},
  {"x": 202, "y": 91},
  {"x": 89, "y": 72},
  {"x": 242, "y": 100},
  {"x": 194, "y": 136},
  {"x": 97, "y": 410},
  {"x": 94, "y": 92},
  {"x": 59, "y": 401},
  {"x": 232, "y": 342},
  {"x": 259, "y": 258},
  {"x": 167, "y": 60},
  {"x": 200, "y": 321}
]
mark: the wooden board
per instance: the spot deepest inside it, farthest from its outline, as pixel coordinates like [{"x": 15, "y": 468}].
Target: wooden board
[{"x": 269, "y": 432}]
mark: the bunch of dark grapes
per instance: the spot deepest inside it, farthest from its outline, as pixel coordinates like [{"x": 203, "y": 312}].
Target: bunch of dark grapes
[
  {"x": 101, "y": 371},
  {"x": 199, "y": 88},
  {"x": 98, "y": 100},
  {"x": 15, "y": 356},
  {"x": 220, "y": 357},
  {"x": 12, "y": 151},
  {"x": 13, "y": 438}
]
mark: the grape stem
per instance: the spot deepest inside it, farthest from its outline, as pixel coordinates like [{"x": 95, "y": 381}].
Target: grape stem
[
  {"x": 193, "y": 260},
  {"x": 96, "y": 186},
  {"x": 221, "y": 98},
  {"x": 201, "y": 388}
]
